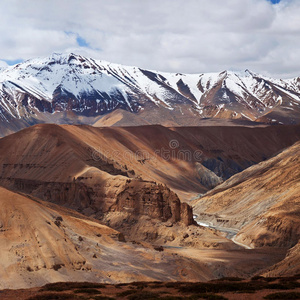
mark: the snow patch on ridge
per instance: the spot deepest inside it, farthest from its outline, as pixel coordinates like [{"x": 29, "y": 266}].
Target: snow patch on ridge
[{"x": 111, "y": 84}]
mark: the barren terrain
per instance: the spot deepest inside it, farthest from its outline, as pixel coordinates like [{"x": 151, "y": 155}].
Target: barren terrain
[{"x": 105, "y": 205}]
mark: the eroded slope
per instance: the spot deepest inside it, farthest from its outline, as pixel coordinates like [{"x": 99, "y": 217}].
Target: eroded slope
[{"x": 262, "y": 202}]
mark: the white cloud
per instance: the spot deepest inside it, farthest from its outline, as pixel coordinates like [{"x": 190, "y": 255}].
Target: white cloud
[
  {"x": 3, "y": 65},
  {"x": 169, "y": 35}
]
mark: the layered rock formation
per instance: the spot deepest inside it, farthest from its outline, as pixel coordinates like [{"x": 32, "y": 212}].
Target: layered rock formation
[{"x": 155, "y": 201}]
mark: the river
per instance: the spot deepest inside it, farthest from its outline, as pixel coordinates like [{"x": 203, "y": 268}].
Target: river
[{"x": 230, "y": 232}]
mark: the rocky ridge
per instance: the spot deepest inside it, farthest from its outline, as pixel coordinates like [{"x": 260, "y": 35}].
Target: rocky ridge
[{"x": 68, "y": 88}]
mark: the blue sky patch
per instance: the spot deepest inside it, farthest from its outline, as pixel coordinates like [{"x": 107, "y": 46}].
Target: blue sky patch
[
  {"x": 274, "y": 1},
  {"x": 13, "y": 62},
  {"x": 81, "y": 41}
]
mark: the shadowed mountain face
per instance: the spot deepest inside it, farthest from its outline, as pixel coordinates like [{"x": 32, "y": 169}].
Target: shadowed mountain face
[
  {"x": 229, "y": 150},
  {"x": 262, "y": 202},
  {"x": 290, "y": 265},
  {"x": 70, "y": 88}
]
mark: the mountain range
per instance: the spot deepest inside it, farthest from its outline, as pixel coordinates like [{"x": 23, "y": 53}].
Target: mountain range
[{"x": 70, "y": 88}]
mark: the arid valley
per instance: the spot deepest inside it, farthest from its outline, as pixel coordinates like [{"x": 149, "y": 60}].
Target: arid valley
[{"x": 106, "y": 205}]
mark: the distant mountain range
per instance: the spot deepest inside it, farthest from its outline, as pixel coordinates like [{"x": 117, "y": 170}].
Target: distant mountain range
[{"x": 70, "y": 88}]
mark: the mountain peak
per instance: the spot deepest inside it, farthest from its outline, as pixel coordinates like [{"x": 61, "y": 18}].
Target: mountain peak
[
  {"x": 252, "y": 74},
  {"x": 65, "y": 58},
  {"x": 69, "y": 82}
]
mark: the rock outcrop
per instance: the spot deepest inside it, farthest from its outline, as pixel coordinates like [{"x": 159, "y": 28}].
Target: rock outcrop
[{"x": 153, "y": 200}]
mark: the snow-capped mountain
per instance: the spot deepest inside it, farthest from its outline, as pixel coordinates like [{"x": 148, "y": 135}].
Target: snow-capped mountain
[{"x": 39, "y": 89}]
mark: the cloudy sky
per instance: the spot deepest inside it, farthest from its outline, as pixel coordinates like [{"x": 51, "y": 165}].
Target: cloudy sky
[{"x": 189, "y": 36}]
